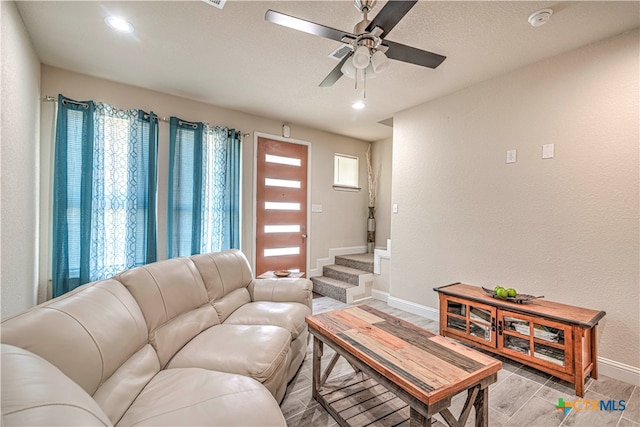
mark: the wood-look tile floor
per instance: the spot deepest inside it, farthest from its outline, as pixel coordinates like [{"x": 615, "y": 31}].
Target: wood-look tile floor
[{"x": 522, "y": 396}]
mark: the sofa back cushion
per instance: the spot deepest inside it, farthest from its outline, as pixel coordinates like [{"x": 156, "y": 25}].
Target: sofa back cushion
[
  {"x": 94, "y": 334},
  {"x": 36, "y": 393},
  {"x": 87, "y": 333},
  {"x": 226, "y": 276},
  {"x": 174, "y": 303}
]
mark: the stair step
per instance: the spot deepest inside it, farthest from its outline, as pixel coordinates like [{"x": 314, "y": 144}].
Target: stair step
[
  {"x": 358, "y": 261},
  {"x": 341, "y": 272},
  {"x": 331, "y": 288}
]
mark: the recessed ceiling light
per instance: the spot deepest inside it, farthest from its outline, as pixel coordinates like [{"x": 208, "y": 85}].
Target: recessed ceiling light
[
  {"x": 358, "y": 105},
  {"x": 119, "y": 24}
]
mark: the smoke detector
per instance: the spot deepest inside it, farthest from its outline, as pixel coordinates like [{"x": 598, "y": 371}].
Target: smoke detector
[{"x": 539, "y": 18}]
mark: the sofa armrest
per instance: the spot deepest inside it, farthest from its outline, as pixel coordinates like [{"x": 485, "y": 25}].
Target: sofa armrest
[{"x": 282, "y": 290}]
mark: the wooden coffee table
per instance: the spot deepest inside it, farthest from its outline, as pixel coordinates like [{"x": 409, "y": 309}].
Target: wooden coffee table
[{"x": 404, "y": 374}]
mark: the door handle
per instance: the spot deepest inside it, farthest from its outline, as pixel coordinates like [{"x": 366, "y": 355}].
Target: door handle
[{"x": 304, "y": 236}]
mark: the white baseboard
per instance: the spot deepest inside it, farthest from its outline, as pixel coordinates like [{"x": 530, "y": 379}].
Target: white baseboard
[
  {"x": 412, "y": 307},
  {"x": 321, "y": 262},
  {"x": 619, "y": 371},
  {"x": 380, "y": 295}
]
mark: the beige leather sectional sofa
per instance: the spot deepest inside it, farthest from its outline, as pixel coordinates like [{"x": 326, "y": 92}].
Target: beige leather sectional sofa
[{"x": 186, "y": 341}]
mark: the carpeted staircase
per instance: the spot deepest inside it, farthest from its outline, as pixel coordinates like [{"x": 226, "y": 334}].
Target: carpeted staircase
[{"x": 349, "y": 280}]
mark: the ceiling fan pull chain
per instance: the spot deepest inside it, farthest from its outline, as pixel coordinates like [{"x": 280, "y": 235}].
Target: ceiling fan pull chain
[{"x": 364, "y": 84}]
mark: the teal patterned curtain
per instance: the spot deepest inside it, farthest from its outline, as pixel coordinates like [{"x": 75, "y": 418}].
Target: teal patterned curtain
[
  {"x": 204, "y": 193},
  {"x": 104, "y": 192}
]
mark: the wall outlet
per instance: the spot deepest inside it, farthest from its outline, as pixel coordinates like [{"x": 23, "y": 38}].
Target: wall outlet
[{"x": 511, "y": 156}]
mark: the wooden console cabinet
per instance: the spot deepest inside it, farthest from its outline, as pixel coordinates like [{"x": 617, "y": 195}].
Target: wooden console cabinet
[{"x": 556, "y": 338}]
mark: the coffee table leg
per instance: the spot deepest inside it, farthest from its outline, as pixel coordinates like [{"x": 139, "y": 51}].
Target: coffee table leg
[
  {"x": 481, "y": 405},
  {"x": 317, "y": 357},
  {"x": 416, "y": 419}
]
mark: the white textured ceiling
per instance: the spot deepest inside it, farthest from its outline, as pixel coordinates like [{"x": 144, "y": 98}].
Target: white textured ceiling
[{"x": 233, "y": 58}]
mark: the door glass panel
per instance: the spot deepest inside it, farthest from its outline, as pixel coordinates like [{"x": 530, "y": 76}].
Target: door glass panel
[
  {"x": 281, "y": 228},
  {"x": 288, "y": 183},
  {"x": 455, "y": 323},
  {"x": 517, "y": 325},
  {"x": 517, "y": 344},
  {"x": 550, "y": 354},
  {"x": 282, "y": 206},
  {"x": 456, "y": 308},
  {"x": 480, "y": 331},
  {"x": 290, "y": 161},
  {"x": 479, "y": 314},
  {"x": 281, "y": 251},
  {"x": 548, "y": 333}
]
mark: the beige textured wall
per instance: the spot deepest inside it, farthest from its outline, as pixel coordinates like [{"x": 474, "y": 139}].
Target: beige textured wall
[
  {"x": 343, "y": 220},
  {"x": 20, "y": 92},
  {"x": 567, "y": 227}
]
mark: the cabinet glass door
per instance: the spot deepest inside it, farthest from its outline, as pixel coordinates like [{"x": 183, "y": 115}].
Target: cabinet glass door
[
  {"x": 480, "y": 322},
  {"x": 456, "y": 316},
  {"x": 549, "y": 343},
  {"x": 516, "y": 334},
  {"x": 470, "y": 320},
  {"x": 517, "y": 344},
  {"x": 540, "y": 341}
]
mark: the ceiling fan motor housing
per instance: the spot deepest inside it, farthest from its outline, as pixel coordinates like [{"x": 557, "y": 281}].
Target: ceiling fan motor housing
[{"x": 364, "y": 6}]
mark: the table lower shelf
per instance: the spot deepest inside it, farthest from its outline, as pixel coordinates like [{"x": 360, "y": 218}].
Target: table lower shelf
[{"x": 359, "y": 400}]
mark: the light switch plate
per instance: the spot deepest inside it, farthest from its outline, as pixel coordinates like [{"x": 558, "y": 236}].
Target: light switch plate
[
  {"x": 316, "y": 208},
  {"x": 511, "y": 156},
  {"x": 547, "y": 151}
]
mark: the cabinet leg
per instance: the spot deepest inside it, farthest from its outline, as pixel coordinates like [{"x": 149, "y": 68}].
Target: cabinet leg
[{"x": 594, "y": 353}]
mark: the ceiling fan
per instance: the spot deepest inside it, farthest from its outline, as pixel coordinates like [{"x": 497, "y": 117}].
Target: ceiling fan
[{"x": 368, "y": 48}]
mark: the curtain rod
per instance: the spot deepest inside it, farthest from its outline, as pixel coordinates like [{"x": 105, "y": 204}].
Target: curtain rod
[{"x": 49, "y": 98}]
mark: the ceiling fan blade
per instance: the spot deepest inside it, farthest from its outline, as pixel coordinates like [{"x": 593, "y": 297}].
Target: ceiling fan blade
[
  {"x": 307, "y": 26},
  {"x": 412, "y": 55},
  {"x": 392, "y": 12},
  {"x": 335, "y": 74}
]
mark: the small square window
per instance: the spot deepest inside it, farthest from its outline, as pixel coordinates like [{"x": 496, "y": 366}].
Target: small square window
[{"x": 345, "y": 172}]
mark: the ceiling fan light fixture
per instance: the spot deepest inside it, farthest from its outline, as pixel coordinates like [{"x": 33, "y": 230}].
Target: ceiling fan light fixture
[
  {"x": 379, "y": 61},
  {"x": 368, "y": 72},
  {"x": 361, "y": 57},
  {"x": 348, "y": 69}
]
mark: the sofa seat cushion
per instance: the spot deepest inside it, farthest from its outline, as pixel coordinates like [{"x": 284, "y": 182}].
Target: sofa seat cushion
[
  {"x": 255, "y": 351},
  {"x": 198, "y": 397},
  {"x": 288, "y": 315}
]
